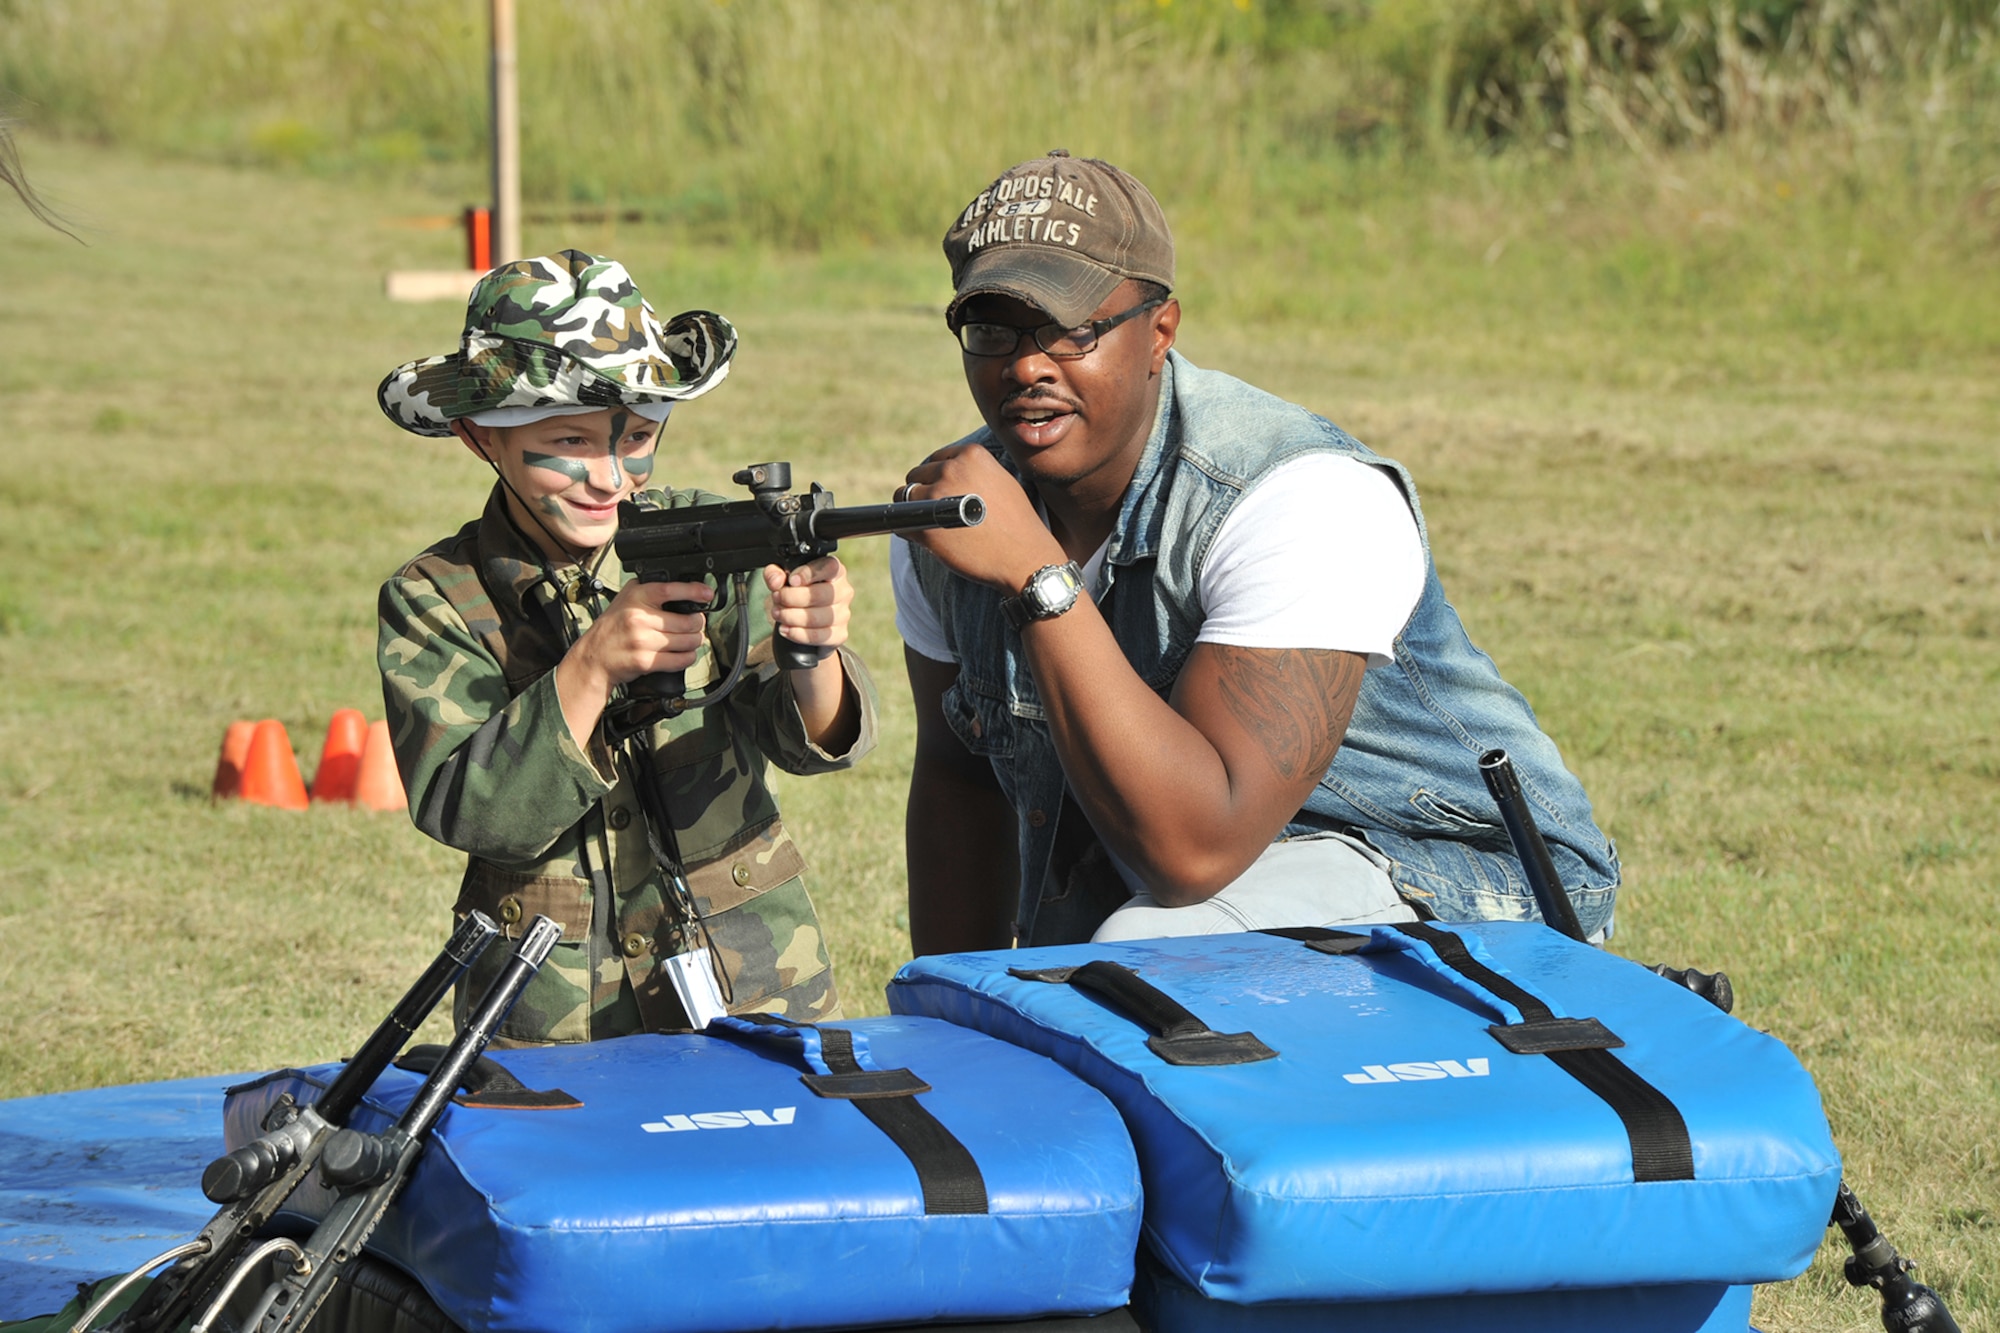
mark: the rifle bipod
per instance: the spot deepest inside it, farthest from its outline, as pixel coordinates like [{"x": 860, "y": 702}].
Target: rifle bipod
[{"x": 1908, "y": 1306}]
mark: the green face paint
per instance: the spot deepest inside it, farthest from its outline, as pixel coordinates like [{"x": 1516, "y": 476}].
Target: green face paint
[
  {"x": 573, "y": 468},
  {"x": 618, "y": 427},
  {"x": 640, "y": 466}
]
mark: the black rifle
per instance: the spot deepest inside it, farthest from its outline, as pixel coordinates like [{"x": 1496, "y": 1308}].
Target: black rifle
[
  {"x": 254, "y": 1180},
  {"x": 732, "y": 541},
  {"x": 368, "y": 1170},
  {"x": 1536, "y": 864},
  {"x": 1908, "y": 1306},
  {"x": 1540, "y": 869}
]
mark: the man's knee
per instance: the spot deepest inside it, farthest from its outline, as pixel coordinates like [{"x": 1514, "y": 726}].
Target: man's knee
[{"x": 1329, "y": 881}]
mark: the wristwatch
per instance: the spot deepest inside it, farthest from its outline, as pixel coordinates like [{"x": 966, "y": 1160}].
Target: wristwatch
[{"x": 1049, "y": 591}]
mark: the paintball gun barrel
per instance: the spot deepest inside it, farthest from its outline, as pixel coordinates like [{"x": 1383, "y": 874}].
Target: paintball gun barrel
[
  {"x": 251, "y": 1182},
  {"x": 731, "y": 541}
]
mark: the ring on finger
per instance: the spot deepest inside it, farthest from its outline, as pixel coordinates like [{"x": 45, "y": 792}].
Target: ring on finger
[{"x": 903, "y": 492}]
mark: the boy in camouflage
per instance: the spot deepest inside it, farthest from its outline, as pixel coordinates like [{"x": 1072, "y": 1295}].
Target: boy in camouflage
[{"x": 501, "y": 646}]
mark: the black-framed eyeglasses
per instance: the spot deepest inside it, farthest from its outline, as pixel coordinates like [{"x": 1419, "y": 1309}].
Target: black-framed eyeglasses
[{"x": 979, "y": 338}]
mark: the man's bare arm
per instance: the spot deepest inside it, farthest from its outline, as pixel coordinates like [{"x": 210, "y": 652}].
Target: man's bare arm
[
  {"x": 958, "y": 834},
  {"x": 1187, "y": 791},
  {"x": 1190, "y": 790}
]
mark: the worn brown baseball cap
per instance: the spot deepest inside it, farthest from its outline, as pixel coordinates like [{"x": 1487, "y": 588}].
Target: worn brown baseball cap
[{"x": 1060, "y": 233}]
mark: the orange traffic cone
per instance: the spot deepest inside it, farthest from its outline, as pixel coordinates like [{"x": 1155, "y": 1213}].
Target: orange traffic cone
[
  {"x": 229, "y": 765},
  {"x": 378, "y": 786},
  {"x": 340, "y": 757},
  {"x": 271, "y": 770}
]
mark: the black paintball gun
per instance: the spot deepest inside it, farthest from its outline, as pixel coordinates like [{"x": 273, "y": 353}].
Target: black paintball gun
[
  {"x": 732, "y": 541},
  {"x": 251, "y": 1182},
  {"x": 1908, "y": 1306},
  {"x": 366, "y": 1171}
]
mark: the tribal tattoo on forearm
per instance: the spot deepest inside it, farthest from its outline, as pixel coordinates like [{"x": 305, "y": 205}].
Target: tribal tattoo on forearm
[{"x": 1295, "y": 701}]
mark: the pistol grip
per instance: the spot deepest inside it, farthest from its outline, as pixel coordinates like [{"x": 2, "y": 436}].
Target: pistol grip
[
  {"x": 670, "y": 684},
  {"x": 658, "y": 685},
  {"x": 796, "y": 656}
]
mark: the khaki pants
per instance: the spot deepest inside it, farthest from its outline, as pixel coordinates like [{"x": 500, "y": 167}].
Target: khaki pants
[{"x": 1327, "y": 879}]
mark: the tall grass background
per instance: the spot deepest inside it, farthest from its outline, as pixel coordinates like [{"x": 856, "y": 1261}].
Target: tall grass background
[
  {"x": 1804, "y": 165},
  {"x": 1682, "y": 314}
]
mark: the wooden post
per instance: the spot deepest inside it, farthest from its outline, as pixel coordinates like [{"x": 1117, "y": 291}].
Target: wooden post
[{"x": 506, "y": 138}]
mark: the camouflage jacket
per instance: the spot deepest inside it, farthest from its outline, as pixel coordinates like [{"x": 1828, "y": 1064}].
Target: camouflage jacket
[{"x": 469, "y": 635}]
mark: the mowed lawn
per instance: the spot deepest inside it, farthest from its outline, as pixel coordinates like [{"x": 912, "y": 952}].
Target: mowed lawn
[{"x": 1758, "y": 606}]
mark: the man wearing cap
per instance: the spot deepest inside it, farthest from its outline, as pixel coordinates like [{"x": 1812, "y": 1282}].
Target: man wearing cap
[
  {"x": 1194, "y": 673},
  {"x": 501, "y": 647}
]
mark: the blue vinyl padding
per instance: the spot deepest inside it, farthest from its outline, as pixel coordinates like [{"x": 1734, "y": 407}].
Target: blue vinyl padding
[
  {"x": 1168, "y": 1306},
  {"x": 1394, "y": 1149},
  {"x": 97, "y": 1182},
  {"x": 702, "y": 1187}
]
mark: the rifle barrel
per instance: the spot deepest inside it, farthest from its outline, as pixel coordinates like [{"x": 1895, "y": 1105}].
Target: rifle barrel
[
  {"x": 1536, "y": 864},
  {"x": 359, "y": 1074}
]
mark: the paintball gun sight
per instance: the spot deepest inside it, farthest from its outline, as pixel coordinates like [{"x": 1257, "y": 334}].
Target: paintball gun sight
[{"x": 660, "y": 543}]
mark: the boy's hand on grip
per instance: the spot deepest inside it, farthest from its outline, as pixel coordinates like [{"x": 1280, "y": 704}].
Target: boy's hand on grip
[
  {"x": 641, "y": 632},
  {"x": 811, "y": 604}
]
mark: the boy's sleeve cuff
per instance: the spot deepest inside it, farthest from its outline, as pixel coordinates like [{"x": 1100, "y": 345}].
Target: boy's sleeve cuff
[
  {"x": 592, "y": 770},
  {"x": 802, "y": 755}
]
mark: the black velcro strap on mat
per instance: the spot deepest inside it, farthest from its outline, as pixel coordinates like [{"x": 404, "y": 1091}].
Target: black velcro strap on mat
[
  {"x": 1548, "y": 1035},
  {"x": 865, "y": 1084},
  {"x": 1659, "y": 1135},
  {"x": 1178, "y": 1037},
  {"x": 946, "y": 1172},
  {"x": 1660, "y": 1146},
  {"x": 488, "y": 1083}
]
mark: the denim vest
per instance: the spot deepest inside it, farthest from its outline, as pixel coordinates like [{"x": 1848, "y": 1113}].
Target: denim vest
[{"x": 1406, "y": 777}]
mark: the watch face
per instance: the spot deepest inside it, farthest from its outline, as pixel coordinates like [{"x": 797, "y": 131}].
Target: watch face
[{"x": 1052, "y": 587}]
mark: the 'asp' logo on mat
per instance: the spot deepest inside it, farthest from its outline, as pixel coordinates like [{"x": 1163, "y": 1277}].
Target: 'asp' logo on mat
[
  {"x": 1419, "y": 1071},
  {"x": 675, "y": 1124}
]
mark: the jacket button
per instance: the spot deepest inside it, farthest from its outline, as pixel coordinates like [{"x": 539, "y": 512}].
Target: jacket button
[
  {"x": 635, "y": 944},
  {"x": 976, "y": 731},
  {"x": 1037, "y": 818},
  {"x": 740, "y": 873},
  {"x": 510, "y": 909},
  {"x": 620, "y": 817}
]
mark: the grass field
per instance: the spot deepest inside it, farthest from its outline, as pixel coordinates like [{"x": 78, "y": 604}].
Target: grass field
[{"x": 1733, "y": 524}]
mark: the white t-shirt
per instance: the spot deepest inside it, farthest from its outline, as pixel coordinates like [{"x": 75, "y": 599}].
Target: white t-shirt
[{"x": 1323, "y": 553}]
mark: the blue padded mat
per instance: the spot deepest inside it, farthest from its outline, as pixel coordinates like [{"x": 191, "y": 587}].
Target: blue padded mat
[
  {"x": 98, "y": 1181},
  {"x": 1392, "y": 1148},
  {"x": 794, "y": 1209}
]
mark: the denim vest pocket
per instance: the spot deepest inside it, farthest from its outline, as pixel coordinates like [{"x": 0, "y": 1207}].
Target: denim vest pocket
[
  {"x": 1448, "y": 818},
  {"x": 982, "y": 722}
]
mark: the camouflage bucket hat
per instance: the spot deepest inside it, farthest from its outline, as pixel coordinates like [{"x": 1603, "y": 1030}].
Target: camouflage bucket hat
[{"x": 564, "y": 330}]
